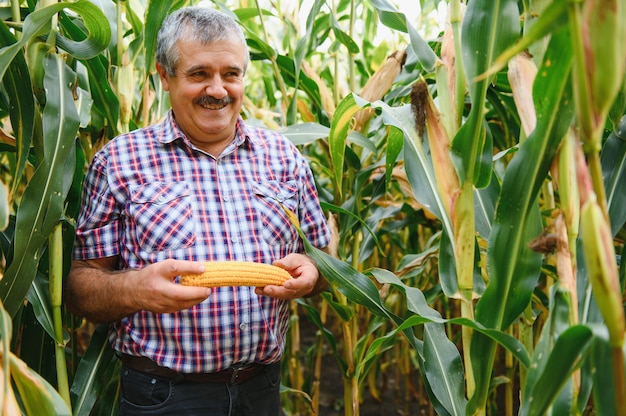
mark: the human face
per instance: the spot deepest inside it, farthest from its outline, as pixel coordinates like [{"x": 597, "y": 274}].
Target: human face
[{"x": 207, "y": 91}]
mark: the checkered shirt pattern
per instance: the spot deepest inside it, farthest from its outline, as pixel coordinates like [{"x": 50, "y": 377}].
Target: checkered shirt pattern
[{"x": 150, "y": 195}]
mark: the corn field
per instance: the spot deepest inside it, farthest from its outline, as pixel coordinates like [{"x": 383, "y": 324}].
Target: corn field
[{"x": 474, "y": 174}]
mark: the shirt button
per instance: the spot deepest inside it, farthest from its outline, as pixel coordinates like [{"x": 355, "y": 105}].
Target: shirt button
[
  {"x": 226, "y": 198},
  {"x": 243, "y": 326}
]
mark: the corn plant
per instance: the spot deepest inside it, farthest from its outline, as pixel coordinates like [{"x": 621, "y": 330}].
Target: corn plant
[
  {"x": 475, "y": 181},
  {"x": 558, "y": 371}
]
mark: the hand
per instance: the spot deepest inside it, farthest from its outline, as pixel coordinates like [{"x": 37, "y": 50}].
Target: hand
[
  {"x": 155, "y": 290},
  {"x": 306, "y": 278},
  {"x": 98, "y": 292}
]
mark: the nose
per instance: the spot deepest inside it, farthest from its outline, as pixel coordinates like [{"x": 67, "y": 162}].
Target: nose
[{"x": 215, "y": 87}]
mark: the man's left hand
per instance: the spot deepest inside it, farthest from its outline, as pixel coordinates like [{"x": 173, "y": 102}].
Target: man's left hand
[{"x": 306, "y": 278}]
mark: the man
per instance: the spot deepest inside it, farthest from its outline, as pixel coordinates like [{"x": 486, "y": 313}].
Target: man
[{"x": 159, "y": 202}]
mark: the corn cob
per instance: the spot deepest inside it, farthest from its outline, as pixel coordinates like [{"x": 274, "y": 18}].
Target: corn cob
[
  {"x": 378, "y": 85},
  {"x": 237, "y": 273}
]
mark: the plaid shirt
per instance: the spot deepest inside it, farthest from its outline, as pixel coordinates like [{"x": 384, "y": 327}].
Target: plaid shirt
[{"x": 151, "y": 195}]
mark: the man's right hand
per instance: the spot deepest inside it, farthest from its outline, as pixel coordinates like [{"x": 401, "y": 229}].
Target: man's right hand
[
  {"x": 95, "y": 290},
  {"x": 155, "y": 290}
]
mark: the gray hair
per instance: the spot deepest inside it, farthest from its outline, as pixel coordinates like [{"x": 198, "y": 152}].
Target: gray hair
[{"x": 200, "y": 24}]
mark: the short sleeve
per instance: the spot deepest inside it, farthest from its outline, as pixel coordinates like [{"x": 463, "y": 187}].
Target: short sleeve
[{"x": 97, "y": 229}]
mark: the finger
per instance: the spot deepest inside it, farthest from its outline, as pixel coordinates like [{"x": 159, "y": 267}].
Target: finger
[
  {"x": 278, "y": 292},
  {"x": 177, "y": 297},
  {"x": 301, "y": 283},
  {"x": 293, "y": 261},
  {"x": 173, "y": 268},
  {"x": 193, "y": 294}
]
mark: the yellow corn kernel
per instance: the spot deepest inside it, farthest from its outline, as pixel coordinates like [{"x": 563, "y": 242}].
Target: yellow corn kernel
[{"x": 237, "y": 273}]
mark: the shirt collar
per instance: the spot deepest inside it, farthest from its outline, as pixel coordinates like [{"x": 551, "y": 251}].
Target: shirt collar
[{"x": 170, "y": 132}]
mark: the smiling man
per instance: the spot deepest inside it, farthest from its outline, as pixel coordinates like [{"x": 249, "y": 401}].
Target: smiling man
[
  {"x": 159, "y": 202},
  {"x": 206, "y": 88}
]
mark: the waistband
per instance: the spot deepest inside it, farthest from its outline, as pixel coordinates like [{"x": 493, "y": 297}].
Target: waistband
[{"x": 233, "y": 375}]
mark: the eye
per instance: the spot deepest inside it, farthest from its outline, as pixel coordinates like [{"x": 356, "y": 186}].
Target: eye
[
  {"x": 198, "y": 75},
  {"x": 232, "y": 73}
]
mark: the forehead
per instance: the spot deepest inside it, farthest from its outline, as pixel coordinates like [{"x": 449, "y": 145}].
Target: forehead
[{"x": 219, "y": 53}]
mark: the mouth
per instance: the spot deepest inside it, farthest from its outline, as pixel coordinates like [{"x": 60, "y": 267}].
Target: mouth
[{"x": 211, "y": 103}]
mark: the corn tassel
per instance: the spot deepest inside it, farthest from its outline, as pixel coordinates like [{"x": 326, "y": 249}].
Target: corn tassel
[{"x": 237, "y": 273}]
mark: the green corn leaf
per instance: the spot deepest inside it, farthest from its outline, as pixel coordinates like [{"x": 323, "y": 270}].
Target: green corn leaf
[
  {"x": 93, "y": 18},
  {"x": 552, "y": 19},
  {"x": 375, "y": 350},
  {"x": 313, "y": 314},
  {"x": 557, "y": 323},
  {"x": 97, "y": 366},
  {"x": 447, "y": 269},
  {"x": 489, "y": 27},
  {"x": 305, "y": 133},
  {"x": 508, "y": 237},
  {"x": 343, "y": 37},
  {"x": 485, "y": 207},
  {"x": 514, "y": 268},
  {"x": 342, "y": 119},
  {"x": 36, "y": 394},
  {"x": 106, "y": 101},
  {"x": 297, "y": 79},
  {"x": 570, "y": 349},
  {"x": 22, "y": 110},
  {"x": 305, "y": 45},
  {"x": 370, "y": 232},
  {"x": 351, "y": 283},
  {"x": 155, "y": 14},
  {"x": 392, "y": 18},
  {"x": 422, "y": 179},
  {"x": 39, "y": 297},
  {"x": 395, "y": 143},
  {"x": 601, "y": 359},
  {"x": 417, "y": 164},
  {"x": 4, "y": 207},
  {"x": 613, "y": 159},
  {"x": 258, "y": 48},
  {"x": 34, "y": 222},
  {"x": 442, "y": 361}
]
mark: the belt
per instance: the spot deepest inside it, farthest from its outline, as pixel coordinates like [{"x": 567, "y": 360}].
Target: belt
[{"x": 233, "y": 375}]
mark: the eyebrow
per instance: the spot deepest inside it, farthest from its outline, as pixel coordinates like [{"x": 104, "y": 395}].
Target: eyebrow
[{"x": 195, "y": 68}]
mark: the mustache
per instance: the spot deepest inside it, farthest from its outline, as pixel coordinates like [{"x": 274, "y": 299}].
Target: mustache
[{"x": 208, "y": 100}]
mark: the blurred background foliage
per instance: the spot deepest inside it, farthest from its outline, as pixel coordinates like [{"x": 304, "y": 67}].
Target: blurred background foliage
[{"x": 470, "y": 156}]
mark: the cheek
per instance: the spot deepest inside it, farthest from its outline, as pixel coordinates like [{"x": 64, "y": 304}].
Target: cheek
[
  {"x": 187, "y": 96},
  {"x": 236, "y": 91}
]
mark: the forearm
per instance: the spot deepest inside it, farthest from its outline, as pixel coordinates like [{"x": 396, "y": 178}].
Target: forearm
[
  {"x": 96, "y": 291},
  {"x": 99, "y": 295}
]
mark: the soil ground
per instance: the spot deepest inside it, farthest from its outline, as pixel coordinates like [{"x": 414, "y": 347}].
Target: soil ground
[{"x": 396, "y": 397}]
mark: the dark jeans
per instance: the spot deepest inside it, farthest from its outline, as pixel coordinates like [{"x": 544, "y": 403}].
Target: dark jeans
[{"x": 144, "y": 394}]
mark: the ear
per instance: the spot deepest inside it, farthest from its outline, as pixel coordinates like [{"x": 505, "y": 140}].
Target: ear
[{"x": 163, "y": 75}]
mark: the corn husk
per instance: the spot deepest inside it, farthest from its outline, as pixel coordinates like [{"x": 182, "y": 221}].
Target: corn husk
[
  {"x": 521, "y": 74},
  {"x": 378, "y": 85}
]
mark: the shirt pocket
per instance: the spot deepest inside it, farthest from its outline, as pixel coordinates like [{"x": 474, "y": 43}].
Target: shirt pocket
[
  {"x": 272, "y": 198},
  {"x": 162, "y": 216}
]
